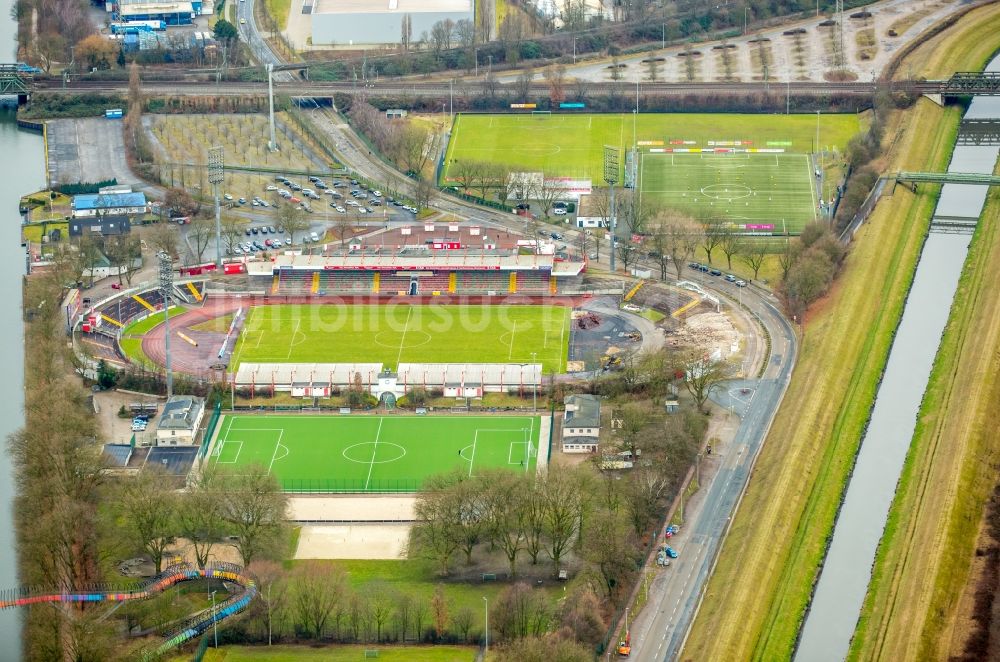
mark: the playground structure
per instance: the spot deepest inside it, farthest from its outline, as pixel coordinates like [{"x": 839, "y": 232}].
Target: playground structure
[{"x": 179, "y": 634}]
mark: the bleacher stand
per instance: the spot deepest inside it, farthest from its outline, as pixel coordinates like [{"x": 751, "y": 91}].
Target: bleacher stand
[
  {"x": 334, "y": 282},
  {"x": 126, "y": 308}
]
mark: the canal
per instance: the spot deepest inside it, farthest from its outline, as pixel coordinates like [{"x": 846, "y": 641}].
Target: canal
[
  {"x": 22, "y": 170},
  {"x": 843, "y": 583}
]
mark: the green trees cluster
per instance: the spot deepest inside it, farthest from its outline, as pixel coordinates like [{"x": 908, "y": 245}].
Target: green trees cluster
[{"x": 810, "y": 263}]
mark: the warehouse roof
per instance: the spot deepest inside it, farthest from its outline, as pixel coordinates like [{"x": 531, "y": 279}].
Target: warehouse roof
[
  {"x": 143, "y": 8},
  {"x": 390, "y": 6},
  {"x": 507, "y": 374},
  {"x": 108, "y": 200}
]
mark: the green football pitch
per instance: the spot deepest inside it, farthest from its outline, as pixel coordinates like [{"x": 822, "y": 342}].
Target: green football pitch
[
  {"x": 373, "y": 453},
  {"x": 394, "y": 334},
  {"x": 563, "y": 145},
  {"x": 773, "y": 191}
]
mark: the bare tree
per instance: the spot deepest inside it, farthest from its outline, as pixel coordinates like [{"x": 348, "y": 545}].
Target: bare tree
[
  {"x": 343, "y": 229},
  {"x": 680, "y": 237},
  {"x": 786, "y": 256},
  {"x": 653, "y": 64},
  {"x": 466, "y": 173},
  {"x": 199, "y": 233},
  {"x": 731, "y": 242},
  {"x": 462, "y": 621},
  {"x": 439, "y": 612},
  {"x": 272, "y": 597},
  {"x": 294, "y": 220},
  {"x": 381, "y": 603},
  {"x": 627, "y": 253},
  {"x": 631, "y": 214},
  {"x": 424, "y": 192},
  {"x": 555, "y": 76},
  {"x": 547, "y": 194},
  {"x": 753, "y": 252},
  {"x": 199, "y": 515},
  {"x": 122, "y": 252},
  {"x": 318, "y": 592},
  {"x": 233, "y": 227},
  {"x": 522, "y": 84},
  {"x": 702, "y": 375},
  {"x": 254, "y": 507},
  {"x": 712, "y": 235},
  {"x": 163, "y": 237},
  {"x": 149, "y": 509},
  {"x": 406, "y": 32}
]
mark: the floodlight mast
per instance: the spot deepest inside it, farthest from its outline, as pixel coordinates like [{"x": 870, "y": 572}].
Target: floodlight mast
[
  {"x": 215, "y": 177},
  {"x": 611, "y": 177},
  {"x": 166, "y": 283}
]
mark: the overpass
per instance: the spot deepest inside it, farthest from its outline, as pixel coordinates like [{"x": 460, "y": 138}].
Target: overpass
[{"x": 947, "y": 178}]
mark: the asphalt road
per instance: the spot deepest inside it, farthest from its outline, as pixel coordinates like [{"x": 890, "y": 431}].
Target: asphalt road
[{"x": 676, "y": 593}]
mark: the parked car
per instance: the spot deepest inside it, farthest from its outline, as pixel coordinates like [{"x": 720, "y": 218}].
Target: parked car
[
  {"x": 242, "y": 201},
  {"x": 670, "y": 551},
  {"x": 714, "y": 272},
  {"x": 313, "y": 236},
  {"x": 228, "y": 197},
  {"x": 741, "y": 283},
  {"x": 271, "y": 187},
  {"x": 731, "y": 278},
  {"x": 559, "y": 211}
]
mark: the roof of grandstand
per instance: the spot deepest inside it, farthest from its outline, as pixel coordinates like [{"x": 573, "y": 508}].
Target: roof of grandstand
[
  {"x": 412, "y": 260},
  {"x": 304, "y": 373},
  {"x": 512, "y": 374}
]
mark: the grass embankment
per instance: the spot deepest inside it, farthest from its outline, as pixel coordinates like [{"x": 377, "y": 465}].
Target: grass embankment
[
  {"x": 911, "y": 611},
  {"x": 340, "y": 653},
  {"x": 279, "y": 9},
  {"x": 757, "y": 596},
  {"x": 966, "y": 46}
]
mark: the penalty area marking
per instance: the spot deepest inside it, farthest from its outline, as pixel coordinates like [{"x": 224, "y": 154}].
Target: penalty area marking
[
  {"x": 274, "y": 456},
  {"x": 239, "y": 450}
]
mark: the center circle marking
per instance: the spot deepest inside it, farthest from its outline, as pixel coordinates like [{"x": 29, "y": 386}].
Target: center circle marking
[
  {"x": 408, "y": 339},
  {"x": 369, "y": 451},
  {"x": 726, "y": 191}
]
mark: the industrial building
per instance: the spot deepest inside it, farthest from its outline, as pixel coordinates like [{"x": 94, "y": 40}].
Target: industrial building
[
  {"x": 168, "y": 11},
  {"x": 362, "y": 22}
]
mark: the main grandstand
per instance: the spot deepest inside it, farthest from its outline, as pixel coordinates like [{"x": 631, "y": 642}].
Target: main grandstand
[{"x": 439, "y": 266}]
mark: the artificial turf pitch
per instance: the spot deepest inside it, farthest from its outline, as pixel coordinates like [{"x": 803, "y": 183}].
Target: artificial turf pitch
[
  {"x": 394, "y": 334},
  {"x": 775, "y": 192},
  {"x": 374, "y": 453}
]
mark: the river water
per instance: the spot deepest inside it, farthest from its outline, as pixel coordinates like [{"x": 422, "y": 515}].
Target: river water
[
  {"x": 843, "y": 583},
  {"x": 22, "y": 170}
]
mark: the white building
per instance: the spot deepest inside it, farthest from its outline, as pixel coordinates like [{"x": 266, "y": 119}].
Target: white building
[
  {"x": 361, "y": 22},
  {"x": 179, "y": 422},
  {"x": 305, "y": 380},
  {"x": 582, "y": 424}
]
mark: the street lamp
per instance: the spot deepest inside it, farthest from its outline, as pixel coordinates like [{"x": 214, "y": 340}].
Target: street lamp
[
  {"x": 746, "y": 10},
  {"x": 574, "y": 49},
  {"x": 215, "y": 626},
  {"x": 486, "y": 644}
]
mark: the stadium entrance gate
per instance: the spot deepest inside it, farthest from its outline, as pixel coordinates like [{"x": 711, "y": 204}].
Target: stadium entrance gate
[{"x": 413, "y": 286}]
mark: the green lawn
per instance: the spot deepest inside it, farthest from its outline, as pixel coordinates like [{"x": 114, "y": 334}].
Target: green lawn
[
  {"x": 769, "y": 192},
  {"x": 144, "y": 326},
  {"x": 374, "y": 454},
  {"x": 340, "y": 653},
  {"x": 573, "y": 145},
  {"x": 394, "y": 334}
]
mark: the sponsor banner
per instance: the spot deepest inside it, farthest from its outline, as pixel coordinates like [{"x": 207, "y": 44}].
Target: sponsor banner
[
  {"x": 524, "y": 105},
  {"x": 572, "y": 105},
  {"x": 677, "y": 141},
  {"x": 758, "y": 226},
  {"x": 570, "y": 185},
  {"x": 779, "y": 143},
  {"x": 659, "y": 150},
  {"x": 648, "y": 143},
  {"x": 764, "y": 150}
]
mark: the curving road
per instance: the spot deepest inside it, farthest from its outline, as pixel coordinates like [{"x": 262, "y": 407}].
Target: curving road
[{"x": 675, "y": 594}]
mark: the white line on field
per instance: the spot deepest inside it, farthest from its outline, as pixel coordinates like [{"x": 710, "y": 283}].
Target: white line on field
[
  {"x": 399, "y": 356},
  {"x": 371, "y": 465}
]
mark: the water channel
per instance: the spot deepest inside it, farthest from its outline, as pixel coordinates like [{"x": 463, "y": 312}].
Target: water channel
[
  {"x": 843, "y": 583},
  {"x": 22, "y": 170}
]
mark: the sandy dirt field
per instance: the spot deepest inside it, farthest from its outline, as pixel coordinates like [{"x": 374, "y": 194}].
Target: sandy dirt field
[
  {"x": 338, "y": 509},
  {"x": 353, "y": 541}
]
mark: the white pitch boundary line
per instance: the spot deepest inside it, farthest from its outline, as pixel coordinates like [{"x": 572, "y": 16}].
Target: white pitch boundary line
[
  {"x": 399, "y": 356},
  {"x": 277, "y": 445},
  {"x": 812, "y": 186},
  {"x": 239, "y": 450},
  {"x": 513, "y": 332},
  {"x": 371, "y": 465},
  {"x": 224, "y": 437},
  {"x": 291, "y": 341},
  {"x": 472, "y": 459}
]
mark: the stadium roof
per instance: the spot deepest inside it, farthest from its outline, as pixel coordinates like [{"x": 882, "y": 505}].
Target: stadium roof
[
  {"x": 305, "y": 373},
  {"x": 506, "y": 374},
  {"x": 108, "y": 200},
  {"x": 441, "y": 260}
]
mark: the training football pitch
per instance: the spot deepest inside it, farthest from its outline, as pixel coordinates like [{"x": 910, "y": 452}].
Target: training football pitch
[
  {"x": 396, "y": 333},
  {"x": 771, "y": 191},
  {"x": 563, "y": 145},
  {"x": 374, "y": 453}
]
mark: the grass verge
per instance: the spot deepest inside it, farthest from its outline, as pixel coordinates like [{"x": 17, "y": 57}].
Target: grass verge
[
  {"x": 926, "y": 552},
  {"x": 340, "y": 653},
  {"x": 966, "y": 46},
  {"x": 757, "y": 596}
]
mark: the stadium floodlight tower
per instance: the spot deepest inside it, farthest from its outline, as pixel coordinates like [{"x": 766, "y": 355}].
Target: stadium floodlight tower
[
  {"x": 166, "y": 284},
  {"x": 611, "y": 177},
  {"x": 215, "y": 177},
  {"x": 272, "y": 144}
]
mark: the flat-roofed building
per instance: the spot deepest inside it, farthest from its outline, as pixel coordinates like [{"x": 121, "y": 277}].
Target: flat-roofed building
[{"x": 356, "y": 22}]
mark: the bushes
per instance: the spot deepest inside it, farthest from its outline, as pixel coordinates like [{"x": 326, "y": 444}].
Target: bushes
[{"x": 815, "y": 257}]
